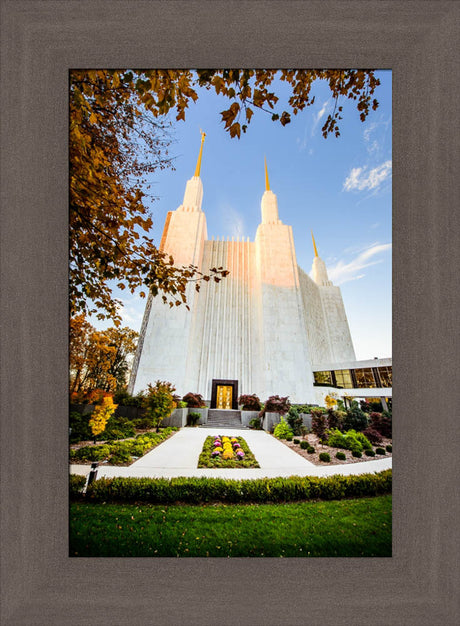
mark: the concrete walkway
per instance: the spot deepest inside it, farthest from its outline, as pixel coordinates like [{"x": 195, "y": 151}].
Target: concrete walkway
[{"x": 178, "y": 456}]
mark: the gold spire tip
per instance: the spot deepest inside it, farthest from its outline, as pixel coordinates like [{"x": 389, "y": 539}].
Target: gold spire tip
[
  {"x": 267, "y": 182},
  {"x": 314, "y": 244},
  {"x": 198, "y": 163}
]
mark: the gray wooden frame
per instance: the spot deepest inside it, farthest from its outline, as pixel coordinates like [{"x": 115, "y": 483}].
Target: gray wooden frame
[{"x": 40, "y": 41}]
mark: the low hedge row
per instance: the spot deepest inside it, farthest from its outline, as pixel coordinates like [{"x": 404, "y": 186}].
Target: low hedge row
[{"x": 197, "y": 490}]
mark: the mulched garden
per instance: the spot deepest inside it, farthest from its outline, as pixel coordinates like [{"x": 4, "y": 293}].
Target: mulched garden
[{"x": 314, "y": 442}]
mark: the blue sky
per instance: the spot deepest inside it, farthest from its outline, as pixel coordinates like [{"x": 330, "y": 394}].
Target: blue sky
[{"x": 338, "y": 187}]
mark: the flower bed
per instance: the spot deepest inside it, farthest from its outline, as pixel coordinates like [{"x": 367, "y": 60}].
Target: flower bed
[
  {"x": 121, "y": 452},
  {"x": 226, "y": 451}
]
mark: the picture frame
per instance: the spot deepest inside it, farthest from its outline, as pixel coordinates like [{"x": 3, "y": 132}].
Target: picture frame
[{"x": 41, "y": 41}]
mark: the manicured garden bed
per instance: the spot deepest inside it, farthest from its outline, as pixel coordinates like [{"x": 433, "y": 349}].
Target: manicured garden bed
[
  {"x": 226, "y": 451},
  {"x": 121, "y": 452}
]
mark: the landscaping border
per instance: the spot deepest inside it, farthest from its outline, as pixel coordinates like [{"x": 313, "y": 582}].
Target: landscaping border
[{"x": 203, "y": 489}]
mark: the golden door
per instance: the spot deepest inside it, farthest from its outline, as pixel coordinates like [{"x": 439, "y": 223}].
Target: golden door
[{"x": 224, "y": 397}]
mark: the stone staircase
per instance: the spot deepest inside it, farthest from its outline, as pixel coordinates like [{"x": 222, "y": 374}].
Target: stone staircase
[{"x": 220, "y": 418}]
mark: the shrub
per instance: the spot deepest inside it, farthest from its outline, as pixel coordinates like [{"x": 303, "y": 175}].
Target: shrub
[
  {"x": 297, "y": 441},
  {"x": 382, "y": 423},
  {"x": 335, "y": 418},
  {"x": 158, "y": 402},
  {"x": 255, "y": 423},
  {"x": 325, "y": 457},
  {"x": 341, "y": 456},
  {"x": 101, "y": 415},
  {"x": 76, "y": 484},
  {"x": 355, "y": 418},
  {"x": 192, "y": 419},
  {"x": 351, "y": 440},
  {"x": 373, "y": 435},
  {"x": 194, "y": 400},
  {"x": 369, "y": 452},
  {"x": 275, "y": 404},
  {"x": 357, "y": 454},
  {"x": 304, "y": 445},
  {"x": 197, "y": 490},
  {"x": 282, "y": 430},
  {"x": 125, "y": 399},
  {"x": 289, "y": 438},
  {"x": 80, "y": 430},
  {"x": 389, "y": 448},
  {"x": 380, "y": 451},
  {"x": 119, "y": 428},
  {"x": 249, "y": 402},
  {"x": 294, "y": 420},
  {"x": 311, "y": 450},
  {"x": 319, "y": 424}
]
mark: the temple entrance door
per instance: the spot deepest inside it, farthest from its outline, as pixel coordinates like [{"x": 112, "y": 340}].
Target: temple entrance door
[{"x": 224, "y": 397}]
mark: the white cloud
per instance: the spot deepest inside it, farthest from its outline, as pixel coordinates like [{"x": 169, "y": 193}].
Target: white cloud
[
  {"x": 344, "y": 272},
  {"x": 321, "y": 113},
  {"x": 233, "y": 221},
  {"x": 360, "y": 178}
]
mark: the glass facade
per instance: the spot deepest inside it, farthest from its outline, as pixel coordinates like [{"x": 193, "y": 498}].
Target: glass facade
[
  {"x": 365, "y": 377},
  {"x": 323, "y": 378},
  {"x": 386, "y": 376},
  {"x": 343, "y": 379}
]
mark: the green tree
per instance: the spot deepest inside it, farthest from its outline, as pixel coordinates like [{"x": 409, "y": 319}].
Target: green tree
[{"x": 158, "y": 402}]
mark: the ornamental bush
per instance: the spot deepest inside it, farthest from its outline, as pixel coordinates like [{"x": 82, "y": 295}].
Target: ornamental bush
[
  {"x": 369, "y": 452},
  {"x": 380, "y": 451},
  {"x": 158, "y": 402},
  {"x": 357, "y": 454},
  {"x": 249, "y": 402},
  {"x": 294, "y": 420},
  {"x": 192, "y": 419},
  {"x": 194, "y": 400},
  {"x": 304, "y": 445},
  {"x": 311, "y": 450},
  {"x": 325, "y": 457},
  {"x": 197, "y": 490},
  {"x": 276, "y": 404},
  {"x": 296, "y": 441},
  {"x": 282, "y": 430},
  {"x": 355, "y": 418},
  {"x": 319, "y": 424},
  {"x": 373, "y": 435},
  {"x": 341, "y": 456},
  {"x": 389, "y": 448}
]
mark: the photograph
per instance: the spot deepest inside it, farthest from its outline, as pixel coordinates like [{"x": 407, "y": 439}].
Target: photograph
[{"x": 230, "y": 333}]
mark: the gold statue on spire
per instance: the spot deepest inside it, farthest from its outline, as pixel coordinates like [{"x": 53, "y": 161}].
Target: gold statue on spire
[
  {"x": 267, "y": 182},
  {"x": 198, "y": 164},
  {"x": 314, "y": 244}
]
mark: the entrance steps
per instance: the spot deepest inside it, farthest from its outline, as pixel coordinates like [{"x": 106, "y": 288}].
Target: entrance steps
[{"x": 220, "y": 418}]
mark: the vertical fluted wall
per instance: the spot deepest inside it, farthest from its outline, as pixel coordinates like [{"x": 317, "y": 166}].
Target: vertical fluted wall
[{"x": 222, "y": 340}]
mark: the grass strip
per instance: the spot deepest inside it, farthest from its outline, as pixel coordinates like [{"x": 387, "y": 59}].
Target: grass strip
[{"x": 346, "y": 528}]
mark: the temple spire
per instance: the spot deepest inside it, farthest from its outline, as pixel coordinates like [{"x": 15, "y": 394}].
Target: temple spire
[
  {"x": 267, "y": 182},
  {"x": 198, "y": 164},
  {"x": 314, "y": 244}
]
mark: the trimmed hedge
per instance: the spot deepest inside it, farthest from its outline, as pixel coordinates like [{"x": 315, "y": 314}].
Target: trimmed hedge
[
  {"x": 76, "y": 484},
  {"x": 196, "y": 490}
]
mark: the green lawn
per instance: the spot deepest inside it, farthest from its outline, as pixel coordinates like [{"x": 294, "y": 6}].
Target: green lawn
[{"x": 360, "y": 527}]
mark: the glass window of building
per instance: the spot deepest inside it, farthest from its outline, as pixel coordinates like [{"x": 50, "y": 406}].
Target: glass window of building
[
  {"x": 323, "y": 378},
  {"x": 386, "y": 376},
  {"x": 365, "y": 377},
  {"x": 343, "y": 378}
]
